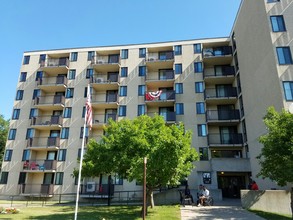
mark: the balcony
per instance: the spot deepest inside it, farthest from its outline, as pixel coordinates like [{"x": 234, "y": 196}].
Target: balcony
[
  {"x": 169, "y": 117},
  {"x": 40, "y": 166},
  {"x": 225, "y": 140},
  {"x": 47, "y": 122},
  {"x": 219, "y": 75},
  {"x": 105, "y": 101},
  {"x": 221, "y": 96},
  {"x": 49, "y": 102},
  {"x": 160, "y": 60},
  {"x": 46, "y": 190},
  {"x": 231, "y": 164},
  {"x": 223, "y": 117},
  {"x": 109, "y": 63},
  {"x": 49, "y": 84},
  {"x": 96, "y": 189},
  {"x": 164, "y": 100},
  {"x": 163, "y": 78},
  {"x": 99, "y": 120},
  {"x": 55, "y": 65},
  {"x": 40, "y": 143},
  {"x": 100, "y": 83},
  {"x": 217, "y": 55}
]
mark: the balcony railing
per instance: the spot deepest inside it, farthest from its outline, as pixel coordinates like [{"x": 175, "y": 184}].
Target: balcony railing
[
  {"x": 217, "y": 51},
  {"x": 55, "y": 62},
  {"x": 165, "y": 96},
  {"x": 220, "y": 71},
  {"x": 47, "y": 120},
  {"x": 100, "y": 79},
  {"x": 44, "y": 142},
  {"x": 97, "y": 189},
  {"x": 52, "y": 81},
  {"x": 49, "y": 100},
  {"x": 168, "y": 116},
  {"x": 100, "y": 118},
  {"x": 164, "y": 75},
  {"x": 225, "y": 139},
  {"x": 102, "y": 60},
  {"x": 38, "y": 165},
  {"x": 222, "y": 115},
  {"x": 161, "y": 56},
  {"x": 221, "y": 93},
  {"x": 46, "y": 189}
]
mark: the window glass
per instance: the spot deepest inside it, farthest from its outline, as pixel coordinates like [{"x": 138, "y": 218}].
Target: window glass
[
  {"x": 74, "y": 56},
  {"x": 123, "y": 91},
  {"x": 142, "y": 71},
  {"x": 11, "y": 134},
  {"x": 67, "y": 112},
  {"x": 8, "y": 155},
  {"x": 25, "y": 155},
  {"x": 141, "y": 90},
  {"x": 179, "y": 109},
  {"x": 199, "y": 87},
  {"x": 204, "y": 153},
  {"x": 140, "y": 110},
  {"x": 69, "y": 93},
  {"x": 26, "y": 59},
  {"x": 200, "y": 108},
  {"x": 91, "y": 55},
  {"x": 22, "y": 77},
  {"x": 284, "y": 55},
  {"x": 89, "y": 73},
  {"x": 202, "y": 131},
  {"x": 64, "y": 133},
  {"x": 122, "y": 110},
  {"x": 71, "y": 74},
  {"x": 19, "y": 95},
  {"x": 124, "y": 71},
  {"x": 278, "y": 23},
  {"x": 15, "y": 114},
  {"x": 22, "y": 178},
  {"x": 178, "y": 68},
  {"x": 33, "y": 113},
  {"x": 179, "y": 88},
  {"x": 30, "y": 133},
  {"x": 59, "y": 178},
  {"x": 288, "y": 90},
  {"x": 178, "y": 50},
  {"x": 62, "y": 155},
  {"x": 197, "y": 48},
  {"x": 124, "y": 54},
  {"x": 4, "y": 177},
  {"x": 198, "y": 67},
  {"x": 142, "y": 52}
]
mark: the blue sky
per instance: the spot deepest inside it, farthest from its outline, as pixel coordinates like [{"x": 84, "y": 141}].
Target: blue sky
[{"x": 27, "y": 25}]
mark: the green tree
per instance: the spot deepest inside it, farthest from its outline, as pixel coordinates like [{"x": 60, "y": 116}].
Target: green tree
[
  {"x": 4, "y": 126},
  {"x": 168, "y": 150},
  {"x": 276, "y": 157}
]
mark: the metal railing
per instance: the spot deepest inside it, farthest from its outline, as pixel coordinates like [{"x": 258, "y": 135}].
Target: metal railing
[
  {"x": 47, "y": 120},
  {"x": 55, "y": 62},
  {"x": 44, "y": 142},
  {"x": 51, "y": 81},
  {"x": 217, "y": 51},
  {"x": 222, "y": 115},
  {"x": 49, "y": 100},
  {"x": 40, "y": 165},
  {"x": 220, "y": 71},
  {"x": 225, "y": 139},
  {"x": 221, "y": 93}
]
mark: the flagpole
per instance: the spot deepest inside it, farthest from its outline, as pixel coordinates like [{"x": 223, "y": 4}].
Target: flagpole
[{"x": 81, "y": 159}]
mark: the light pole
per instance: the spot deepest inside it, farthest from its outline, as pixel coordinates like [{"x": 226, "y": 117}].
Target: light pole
[{"x": 144, "y": 188}]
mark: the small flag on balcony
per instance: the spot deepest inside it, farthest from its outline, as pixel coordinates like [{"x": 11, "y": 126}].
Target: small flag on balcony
[
  {"x": 153, "y": 95},
  {"x": 88, "y": 108}
]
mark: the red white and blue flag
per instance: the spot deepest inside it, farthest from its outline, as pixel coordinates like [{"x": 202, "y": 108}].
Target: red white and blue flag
[
  {"x": 88, "y": 108},
  {"x": 153, "y": 95}
]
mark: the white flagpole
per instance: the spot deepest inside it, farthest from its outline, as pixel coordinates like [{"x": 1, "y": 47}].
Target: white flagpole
[{"x": 80, "y": 164}]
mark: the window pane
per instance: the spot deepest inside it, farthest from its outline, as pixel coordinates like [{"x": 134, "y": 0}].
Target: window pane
[
  {"x": 197, "y": 48},
  {"x": 123, "y": 91},
  {"x": 4, "y": 177},
  {"x": 140, "y": 110},
  {"x": 122, "y": 110},
  {"x": 62, "y": 155},
  {"x": 197, "y": 67},
  {"x": 179, "y": 109},
  {"x": 284, "y": 55},
  {"x": 199, "y": 87},
  {"x": 74, "y": 56},
  {"x": 71, "y": 74},
  {"x": 178, "y": 50},
  {"x": 203, "y": 153},
  {"x": 26, "y": 59},
  {"x": 278, "y": 23},
  {"x": 178, "y": 68},
  {"x": 67, "y": 112},
  {"x": 288, "y": 89},
  {"x": 11, "y": 134},
  {"x": 7, "y": 155},
  {"x": 141, "y": 90},
  {"x": 178, "y": 88},
  {"x": 142, "y": 71},
  {"x": 124, "y": 71},
  {"x": 15, "y": 114},
  {"x": 64, "y": 133},
  {"x": 22, "y": 77},
  {"x": 142, "y": 52},
  {"x": 91, "y": 55},
  {"x": 124, "y": 54},
  {"x": 200, "y": 109}
]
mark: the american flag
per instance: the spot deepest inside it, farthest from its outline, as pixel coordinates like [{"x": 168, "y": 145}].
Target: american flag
[{"x": 88, "y": 108}]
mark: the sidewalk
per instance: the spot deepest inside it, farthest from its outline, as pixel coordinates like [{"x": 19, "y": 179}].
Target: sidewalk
[{"x": 223, "y": 210}]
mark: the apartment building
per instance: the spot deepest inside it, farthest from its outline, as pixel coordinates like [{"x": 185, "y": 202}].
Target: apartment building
[{"x": 219, "y": 88}]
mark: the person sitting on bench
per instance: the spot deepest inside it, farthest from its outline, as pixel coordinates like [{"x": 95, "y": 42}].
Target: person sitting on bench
[
  {"x": 188, "y": 194},
  {"x": 205, "y": 195}
]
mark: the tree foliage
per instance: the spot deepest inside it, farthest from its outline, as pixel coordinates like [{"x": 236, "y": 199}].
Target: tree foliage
[
  {"x": 276, "y": 158},
  {"x": 4, "y": 126},
  {"x": 168, "y": 150}
]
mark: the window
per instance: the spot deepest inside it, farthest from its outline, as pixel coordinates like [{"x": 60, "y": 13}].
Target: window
[
  {"x": 8, "y": 155},
  {"x": 271, "y": 1},
  {"x": 64, "y": 133},
  {"x": 179, "y": 88},
  {"x": 11, "y": 134},
  {"x": 39, "y": 75},
  {"x": 69, "y": 93},
  {"x": 74, "y": 56},
  {"x": 142, "y": 52},
  {"x": 62, "y": 155},
  {"x": 140, "y": 110},
  {"x": 59, "y": 178},
  {"x": 89, "y": 73},
  {"x": 278, "y": 23},
  {"x": 123, "y": 91},
  {"x": 67, "y": 112},
  {"x": 71, "y": 74},
  {"x": 19, "y": 95},
  {"x": 178, "y": 68},
  {"x": 203, "y": 153},
  {"x": 122, "y": 110},
  {"x": 29, "y": 133},
  {"x": 25, "y": 155},
  {"x": 4, "y": 177},
  {"x": 200, "y": 109},
  {"x": 284, "y": 55},
  {"x": 178, "y": 50},
  {"x": 141, "y": 90},
  {"x": 197, "y": 48},
  {"x": 201, "y": 130},
  {"x": 22, "y": 77},
  {"x": 15, "y": 114},
  {"x": 142, "y": 71},
  {"x": 90, "y": 55},
  {"x": 33, "y": 113},
  {"x": 124, "y": 54},
  {"x": 198, "y": 67},
  {"x": 21, "y": 178},
  {"x": 42, "y": 59},
  {"x": 36, "y": 93},
  {"x": 117, "y": 180},
  {"x": 199, "y": 87},
  {"x": 26, "y": 60},
  {"x": 86, "y": 132},
  {"x": 85, "y": 91},
  {"x": 288, "y": 89},
  {"x": 79, "y": 154},
  {"x": 206, "y": 178},
  {"x": 179, "y": 109},
  {"x": 124, "y": 71}
]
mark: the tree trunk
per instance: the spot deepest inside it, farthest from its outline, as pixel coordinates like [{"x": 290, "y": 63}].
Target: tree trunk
[
  {"x": 150, "y": 198},
  {"x": 292, "y": 201}
]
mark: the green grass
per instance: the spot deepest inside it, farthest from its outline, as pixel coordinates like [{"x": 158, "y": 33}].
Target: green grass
[
  {"x": 271, "y": 216},
  {"x": 95, "y": 213}
]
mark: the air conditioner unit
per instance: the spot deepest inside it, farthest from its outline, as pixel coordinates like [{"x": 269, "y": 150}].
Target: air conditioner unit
[
  {"x": 99, "y": 80},
  {"x": 90, "y": 186}
]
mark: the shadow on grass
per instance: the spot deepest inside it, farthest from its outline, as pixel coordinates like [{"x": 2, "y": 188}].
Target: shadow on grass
[{"x": 271, "y": 216}]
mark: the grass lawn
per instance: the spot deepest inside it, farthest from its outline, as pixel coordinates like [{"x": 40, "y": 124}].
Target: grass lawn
[
  {"x": 271, "y": 216},
  {"x": 95, "y": 213}
]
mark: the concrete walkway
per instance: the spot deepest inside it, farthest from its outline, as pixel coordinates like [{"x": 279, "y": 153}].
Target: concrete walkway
[{"x": 223, "y": 210}]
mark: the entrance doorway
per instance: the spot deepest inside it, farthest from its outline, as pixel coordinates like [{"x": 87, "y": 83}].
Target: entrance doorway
[{"x": 231, "y": 184}]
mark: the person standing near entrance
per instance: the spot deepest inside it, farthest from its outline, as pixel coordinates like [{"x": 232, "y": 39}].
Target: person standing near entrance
[{"x": 254, "y": 186}]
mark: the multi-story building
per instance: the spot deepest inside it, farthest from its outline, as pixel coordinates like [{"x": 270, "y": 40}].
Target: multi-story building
[{"x": 219, "y": 88}]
